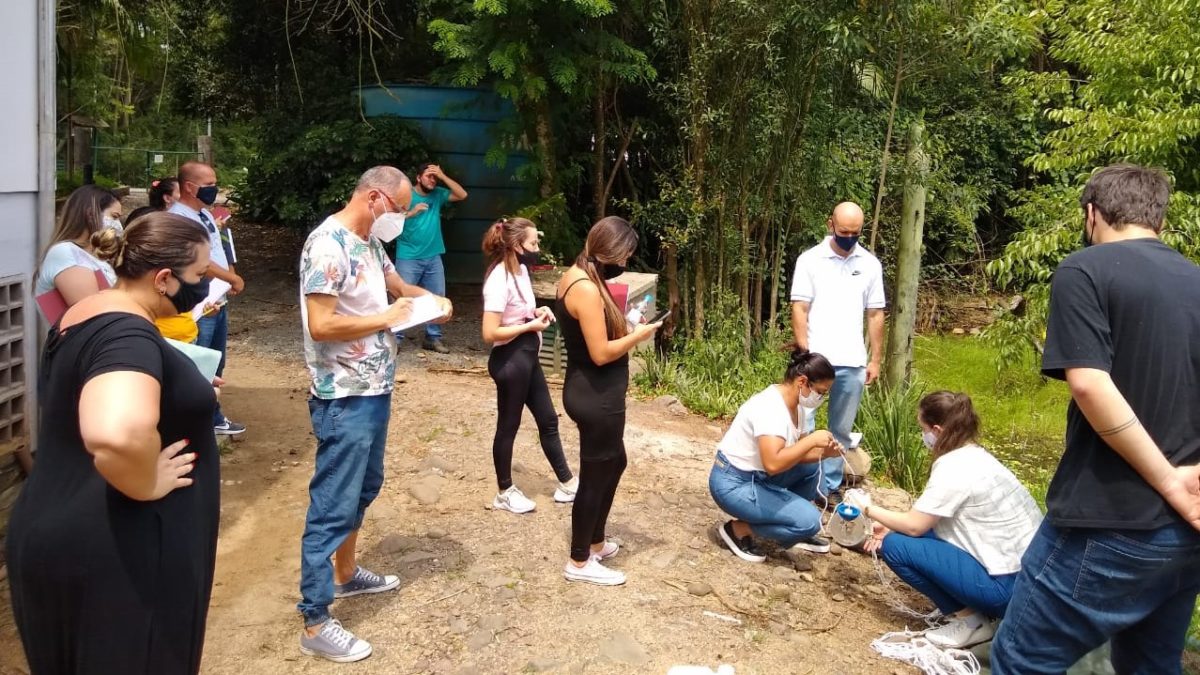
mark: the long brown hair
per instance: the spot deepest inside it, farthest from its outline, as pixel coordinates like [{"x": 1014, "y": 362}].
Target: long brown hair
[
  {"x": 502, "y": 239},
  {"x": 956, "y": 416},
  {"x": 82, "y": 213},
  {"x": 610, "y": 240},
  {"x": 155, "y": 241}
]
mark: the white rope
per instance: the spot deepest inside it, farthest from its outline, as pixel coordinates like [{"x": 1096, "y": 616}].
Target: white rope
[{"x": 914, "y": 649}]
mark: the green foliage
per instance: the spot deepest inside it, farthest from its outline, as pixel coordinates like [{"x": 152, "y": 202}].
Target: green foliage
[
  {"x": 887, "y": 418},
  {"x": 66, "y": 184},
  {"x": 302, "y": 182},
  {"x": 716, "y": 375},
  {"x": 1124, "y": 88}
]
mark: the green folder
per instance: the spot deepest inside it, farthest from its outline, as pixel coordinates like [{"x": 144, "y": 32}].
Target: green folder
[{"x": 206, "y": 359}]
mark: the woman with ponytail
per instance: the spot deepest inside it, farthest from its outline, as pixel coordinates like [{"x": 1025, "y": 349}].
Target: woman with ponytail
[
  {"x": 767, "y": 471},
  {"x": 113, "y": 539},
  {"x": 513, "y": 323},
  {"x": 598, "y": 342},
  {"x": 961, "y": 543}
]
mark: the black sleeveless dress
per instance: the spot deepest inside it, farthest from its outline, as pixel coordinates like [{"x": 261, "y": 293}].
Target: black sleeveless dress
[
  {"x": 593, "y": 396},
  {"x": 102, "y": 583}
]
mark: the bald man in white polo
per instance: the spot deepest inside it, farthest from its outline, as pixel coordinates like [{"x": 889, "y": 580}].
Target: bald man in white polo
[{"x": 837, "y": 283}]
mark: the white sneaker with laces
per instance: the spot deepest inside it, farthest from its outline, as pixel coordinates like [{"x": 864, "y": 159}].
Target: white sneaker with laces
[
  {"x": 513, "y": 500},
  {"x": 565, "y": 492},
  {"x": 958, "y": 634},
  {"x": 609, "y": 549},
  {"x": 593, "y": 573},
  {"x": 335, "y": 643}
]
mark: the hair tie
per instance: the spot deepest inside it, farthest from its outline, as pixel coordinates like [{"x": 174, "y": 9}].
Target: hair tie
[
  {"x": 154, "y": 183},
  {"x": 120, "y": 257},
  {"x": 499, "y": 224}
]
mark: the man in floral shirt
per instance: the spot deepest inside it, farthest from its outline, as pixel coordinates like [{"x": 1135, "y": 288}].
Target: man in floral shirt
[{"x": 345, "y": 281}]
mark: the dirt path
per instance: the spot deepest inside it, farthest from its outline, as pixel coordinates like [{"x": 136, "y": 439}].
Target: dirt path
[{"x": 482, "y": 591}]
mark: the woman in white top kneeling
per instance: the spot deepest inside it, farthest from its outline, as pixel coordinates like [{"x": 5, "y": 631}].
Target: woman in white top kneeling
[
  {"x": 961, "y": 543},
  {"x": 767, "y": 472}
]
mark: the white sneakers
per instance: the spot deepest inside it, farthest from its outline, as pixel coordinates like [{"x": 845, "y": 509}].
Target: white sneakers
[
  {"x": 593, "y": 573},
  {"x": 960, "y": 633},
  {"x": 513, "y": 500},
  {"x": 565, "y": 492}
]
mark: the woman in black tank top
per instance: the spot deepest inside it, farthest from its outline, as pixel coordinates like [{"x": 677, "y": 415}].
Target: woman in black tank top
[{"x": 598, "y": 342}]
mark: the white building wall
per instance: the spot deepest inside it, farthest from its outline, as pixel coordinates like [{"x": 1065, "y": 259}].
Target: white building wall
[{"x": 25, "y": 26}]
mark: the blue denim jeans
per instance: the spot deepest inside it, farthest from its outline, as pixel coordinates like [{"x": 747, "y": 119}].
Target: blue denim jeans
[
  {"x": 844, "y": 397},
  {"x": 427, "y": 273},
  {"x": 351, "y": 435},
  {"x": 214, "y": 334},
  {"x": 776, "y": 507},
  {"x": 1080, "y": 587},
  {"x": 946, "y": 574}
]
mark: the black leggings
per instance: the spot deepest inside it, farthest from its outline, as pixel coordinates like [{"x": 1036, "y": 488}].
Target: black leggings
[
  {"x": 520, "y": 383},
  {"x": 595, "y": 400}
]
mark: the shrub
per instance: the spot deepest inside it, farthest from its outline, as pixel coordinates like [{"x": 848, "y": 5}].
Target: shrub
[
  {"x": 887, "y": 418},
  {"x": 715, "y": 375},
  {"x": 301, "y": 182}
]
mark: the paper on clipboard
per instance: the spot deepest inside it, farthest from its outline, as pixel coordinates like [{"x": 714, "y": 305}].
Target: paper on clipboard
[
  {"x": 425, "y": 308},
  {"x": 217, "y": 288}
]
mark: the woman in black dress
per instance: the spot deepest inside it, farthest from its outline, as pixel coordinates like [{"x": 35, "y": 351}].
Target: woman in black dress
[
  {"x": 598, "y": 344},
  {"x": 113, "y": 540}
]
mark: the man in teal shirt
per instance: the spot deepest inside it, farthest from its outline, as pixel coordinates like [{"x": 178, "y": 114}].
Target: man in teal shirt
[{"x": 420, "y": 247}]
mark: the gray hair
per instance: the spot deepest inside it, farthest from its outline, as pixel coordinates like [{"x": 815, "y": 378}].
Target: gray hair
[{"x": 389, "y": 179}]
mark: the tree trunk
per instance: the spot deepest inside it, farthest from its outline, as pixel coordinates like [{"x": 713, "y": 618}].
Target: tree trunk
[
  {"x": 898, "y": 361},
  {"x": 544, "y": 128},
  {"x": 668, "y": 331},
  {"x": 887, "y": 143},
  {"x": 598, "y": 155}
]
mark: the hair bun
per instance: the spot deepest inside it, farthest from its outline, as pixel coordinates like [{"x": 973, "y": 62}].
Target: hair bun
[{"x": 108, "y": 245}]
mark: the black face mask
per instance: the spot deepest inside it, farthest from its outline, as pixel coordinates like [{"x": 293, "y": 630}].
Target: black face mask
[
  {"x": 608, "y": 271},
  {"x": 207, "y": 194},
  {"x": 528, "y": 258},
  {"x": 1084, "y": 234},
  {"x": 189, "y": 294}
]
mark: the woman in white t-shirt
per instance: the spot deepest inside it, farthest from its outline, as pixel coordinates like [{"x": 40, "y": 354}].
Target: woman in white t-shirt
[
  {"x": 68, "y": 265},
  {"x": 961, "y": 543},
  {"x": 767, "y": 471},
  {"x": 513, "y": 323}
]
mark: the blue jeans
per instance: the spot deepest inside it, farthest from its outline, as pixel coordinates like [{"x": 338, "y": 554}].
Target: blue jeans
[
  {"x": 214, "y": 334},
  {"x": 1081, "y": 587},
  {"x": 946, "y": 574},
  {"x": 776, "y": 507},
  {"x": 844, "y": 397},
  {"x": 427, "y": 273},
  {"x": 351, "y": 435}
]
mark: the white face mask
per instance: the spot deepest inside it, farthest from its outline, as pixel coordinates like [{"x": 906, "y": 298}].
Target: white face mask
[
  {"x": 928, "y": 438},
  {"x": 812, "y": 401},
  {"x": 388, "y": 226},
  {"x": 114, "y": 223}
]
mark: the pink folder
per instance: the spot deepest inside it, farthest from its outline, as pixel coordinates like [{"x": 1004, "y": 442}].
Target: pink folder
[{"x": 53, "y": 305}]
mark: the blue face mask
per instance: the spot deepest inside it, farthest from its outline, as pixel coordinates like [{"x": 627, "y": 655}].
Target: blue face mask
[{"x": 847, "y": 244}]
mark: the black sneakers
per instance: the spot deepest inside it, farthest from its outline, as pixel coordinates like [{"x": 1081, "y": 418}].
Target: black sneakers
[{"x": 743, "y": 547}]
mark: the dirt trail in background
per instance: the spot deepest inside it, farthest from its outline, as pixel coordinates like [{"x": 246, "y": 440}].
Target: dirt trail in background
[{"x": 482, "y": 591}]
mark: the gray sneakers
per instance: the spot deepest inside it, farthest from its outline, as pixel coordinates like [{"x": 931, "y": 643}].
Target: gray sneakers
[
  {"x": 365, "y": 581},
  {"x": 335, "y": 643}
]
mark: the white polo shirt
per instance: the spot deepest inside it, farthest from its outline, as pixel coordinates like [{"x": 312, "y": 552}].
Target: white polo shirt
[{"x": 839, "y": 290}]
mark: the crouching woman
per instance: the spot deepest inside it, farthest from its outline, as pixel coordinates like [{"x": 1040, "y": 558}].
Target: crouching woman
[
  {"x": 767, "y": 471},
  {"x": 961, "y": 543}
]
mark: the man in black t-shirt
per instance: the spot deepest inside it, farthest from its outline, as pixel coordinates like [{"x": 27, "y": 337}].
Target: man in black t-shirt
[{"x": 1118, "y": 556}]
